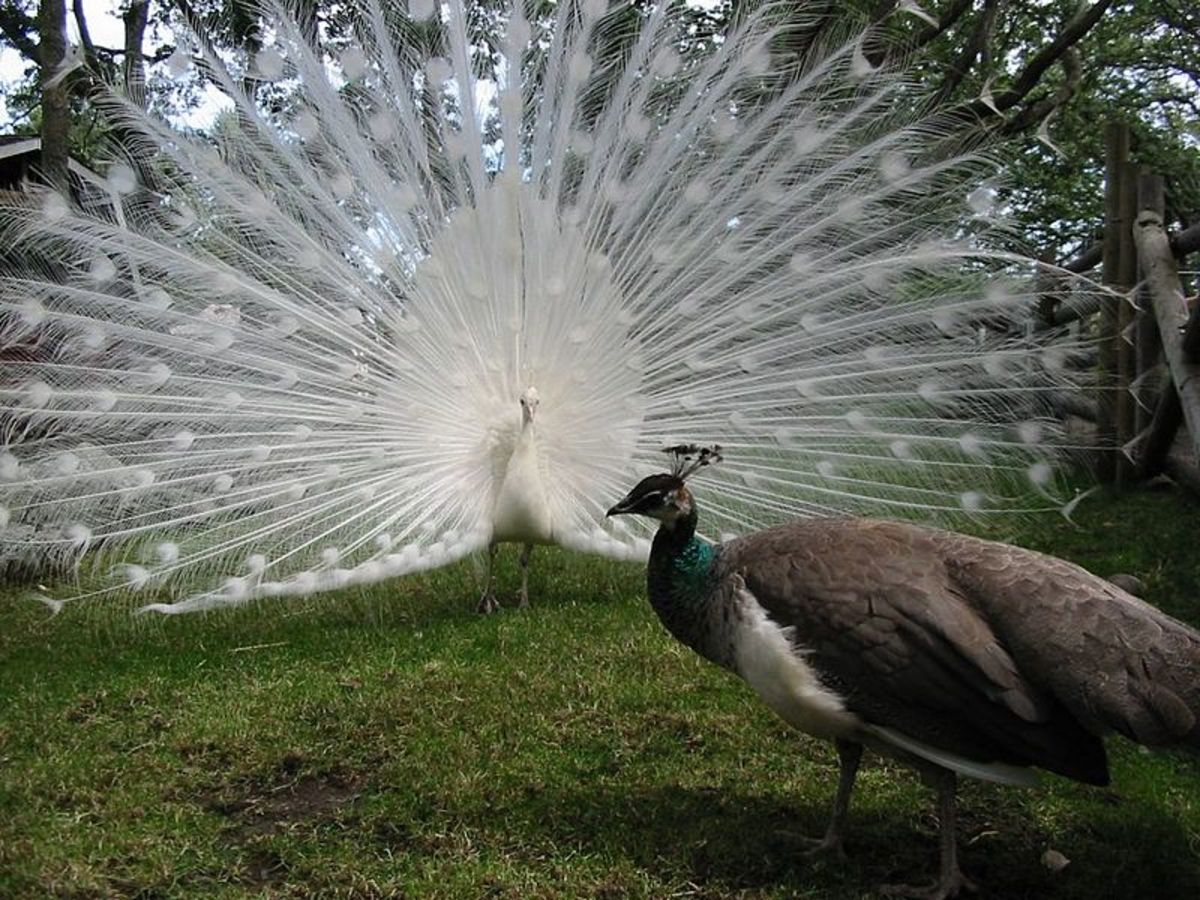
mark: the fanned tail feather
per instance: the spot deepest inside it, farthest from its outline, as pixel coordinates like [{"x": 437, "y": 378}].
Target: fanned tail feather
[{"x": 289, "y": 361}]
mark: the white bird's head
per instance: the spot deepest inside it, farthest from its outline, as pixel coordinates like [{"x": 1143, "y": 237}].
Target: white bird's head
[{"x": 529, "y": 404}]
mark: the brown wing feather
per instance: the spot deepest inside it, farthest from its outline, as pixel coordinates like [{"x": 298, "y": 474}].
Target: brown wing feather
[
  {"x": 882, "y": 617},
  {"x": 1114, "y": 661}
]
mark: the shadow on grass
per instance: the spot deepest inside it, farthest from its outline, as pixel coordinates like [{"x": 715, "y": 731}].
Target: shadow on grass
[{"x": 724, "y": 843}]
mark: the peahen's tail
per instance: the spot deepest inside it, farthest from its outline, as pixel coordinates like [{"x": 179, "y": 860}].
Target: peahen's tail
[{"x": 289, "y": 358}]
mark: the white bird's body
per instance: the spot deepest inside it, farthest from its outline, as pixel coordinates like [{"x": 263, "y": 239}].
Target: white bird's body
[
  {"x": 289, "y": 360},
  {"x": 522, "y": 511}
]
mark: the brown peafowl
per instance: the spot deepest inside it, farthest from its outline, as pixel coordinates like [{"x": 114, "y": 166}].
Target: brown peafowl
[{"x": 959, "y": 656}]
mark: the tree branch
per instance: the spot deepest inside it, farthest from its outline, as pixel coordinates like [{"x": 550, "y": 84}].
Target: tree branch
[
  {"x": 980, "y": 110},
  {"x": 979, "y": 39},
  {"x": 1073, "y": 32},
  {"x": 1035, "y": 112},
  {"x": 946, "y": 21},
  {"x": 17, "y": 27},
  {"x": 85, "y": 37}
]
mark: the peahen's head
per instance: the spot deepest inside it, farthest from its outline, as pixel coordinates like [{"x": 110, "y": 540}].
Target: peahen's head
[
  {"x": 665, "y": 496},
  {"x": 529, "y": 404}
]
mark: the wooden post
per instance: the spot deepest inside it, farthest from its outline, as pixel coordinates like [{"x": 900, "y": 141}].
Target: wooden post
[
  {"x": 1151, "y": 195},
  {"x": 1161, "y": 278},
  {"x": 1125, "y": 412},
  {"x": 1116, "y": 154},
  {"x": 1184, "y": 243}
]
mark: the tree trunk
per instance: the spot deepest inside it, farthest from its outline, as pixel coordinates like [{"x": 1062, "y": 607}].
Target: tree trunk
[
  {"x": 134, "y": 65},
  {"x": 56, "y": 110},
  {"x": 1162, "y": 285}
]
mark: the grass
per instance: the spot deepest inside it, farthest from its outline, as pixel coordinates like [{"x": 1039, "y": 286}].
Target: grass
[{"x": 392, "y": 743}]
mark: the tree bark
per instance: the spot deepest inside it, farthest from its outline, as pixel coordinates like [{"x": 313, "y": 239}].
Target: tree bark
[
  {"x": 56, "y": 110},
  {"x": 134, "y": 65},
  {"x": 1127, "y": 271},
  {"x": 1116, "y": 157},
  {"x": 1162, "y": 284}
]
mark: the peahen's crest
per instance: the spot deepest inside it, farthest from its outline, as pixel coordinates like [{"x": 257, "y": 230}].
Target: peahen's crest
[
  {"x": 291, "y": 359},
  {"x": 688, "y": 459}
]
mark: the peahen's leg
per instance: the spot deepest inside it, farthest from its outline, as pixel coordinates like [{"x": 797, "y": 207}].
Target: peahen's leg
[
  {"x": 849, "y": 756},
  {"x": 488, "y": 603},
  {"x": 951, "y": 881},
  {"x": 523, "y": 597}
]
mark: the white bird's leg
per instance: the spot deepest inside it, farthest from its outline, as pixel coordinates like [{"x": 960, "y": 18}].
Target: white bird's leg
[
  {"x": 951, "y": 881},
  {"x": 488, "y": 603},
  {"x": 523, "y": 597},
  {"x": 849, "y": 756}
]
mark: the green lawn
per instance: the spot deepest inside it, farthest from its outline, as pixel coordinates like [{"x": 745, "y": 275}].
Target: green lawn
[{"x": 393, "y": 743}]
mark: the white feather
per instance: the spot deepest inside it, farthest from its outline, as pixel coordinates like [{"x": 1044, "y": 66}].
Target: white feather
[
  {"x": 766, "y": 658},
  {"x": 320, "y": 335},
  {"x": 1001, "y": 773}
]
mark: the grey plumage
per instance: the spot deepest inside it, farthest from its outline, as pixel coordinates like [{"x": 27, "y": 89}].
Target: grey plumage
[
  {"x": 955, "y": 654},
  {"x": 997, "y": 652}
]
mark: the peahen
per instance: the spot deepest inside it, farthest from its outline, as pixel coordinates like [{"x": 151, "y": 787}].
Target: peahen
[
  {"x": 298, "y": 356},
  {"x": 960, "y": 656}
]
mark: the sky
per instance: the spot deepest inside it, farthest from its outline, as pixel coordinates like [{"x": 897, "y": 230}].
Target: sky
[{"x": 106, "y": 30}]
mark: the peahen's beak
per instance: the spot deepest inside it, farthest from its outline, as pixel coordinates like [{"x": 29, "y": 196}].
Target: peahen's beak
[{"x": 625, "y": 507}]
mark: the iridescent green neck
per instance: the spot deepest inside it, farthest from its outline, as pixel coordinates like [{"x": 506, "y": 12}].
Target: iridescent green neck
[{"x": 679, "y": 582}]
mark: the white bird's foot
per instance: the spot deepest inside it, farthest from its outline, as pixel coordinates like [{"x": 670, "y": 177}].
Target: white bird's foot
[
  {"x": 523, "y": 595},
  {"x": 952, "y": 885},
  {"x": 488, "y": 604}
]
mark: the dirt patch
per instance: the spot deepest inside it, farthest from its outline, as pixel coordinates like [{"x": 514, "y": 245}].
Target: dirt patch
[
  {"x": 307, "y": 800},
  {"x": 263, "y": 867},
  {"x": 257, "y": 814}
]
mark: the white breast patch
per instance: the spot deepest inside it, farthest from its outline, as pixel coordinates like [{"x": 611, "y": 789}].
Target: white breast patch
[
  {"x": 770, "y": 664},
  {"x": 522, "y": 510}
]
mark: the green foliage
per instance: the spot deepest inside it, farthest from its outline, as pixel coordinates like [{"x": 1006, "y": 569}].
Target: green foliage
[
  {"x": 393, "y": 743},
  {"x": 1136, "y": 63},
  {"x": 1139, "y": 68}
]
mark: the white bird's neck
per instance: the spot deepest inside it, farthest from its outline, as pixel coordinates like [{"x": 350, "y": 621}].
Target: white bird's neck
[{"x": 522, "y": 511}]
